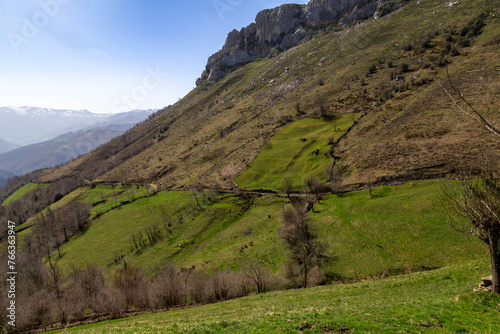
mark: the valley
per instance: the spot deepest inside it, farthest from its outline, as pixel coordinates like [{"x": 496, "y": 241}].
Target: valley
[{"x": 305, "y": 187}]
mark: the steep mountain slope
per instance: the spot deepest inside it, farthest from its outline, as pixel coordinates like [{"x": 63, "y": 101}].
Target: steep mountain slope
[{"x": 387, "y": 69}]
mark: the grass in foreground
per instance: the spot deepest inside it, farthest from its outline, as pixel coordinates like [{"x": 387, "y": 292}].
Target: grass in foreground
[
  {"x": 290, "y": 153},
  {"x": 430, "y": 302}
]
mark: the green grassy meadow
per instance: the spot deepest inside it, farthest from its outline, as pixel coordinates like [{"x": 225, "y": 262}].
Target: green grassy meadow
[
  {"x": 21, "y": 192},
  {"x": 289, "y": 153},
  {"x": 104, "y": 198},
  {"x": 398, "y": 229},
  {"x": 436, "y": 301},
  {"x": 221, "y": 233}
]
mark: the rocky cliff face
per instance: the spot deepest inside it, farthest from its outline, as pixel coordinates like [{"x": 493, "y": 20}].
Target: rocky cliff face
[{"x": 286, "y": 26}]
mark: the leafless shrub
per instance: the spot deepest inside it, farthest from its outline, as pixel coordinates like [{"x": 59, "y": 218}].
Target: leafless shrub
[
  {"x": 314, "y": 186},
  {"x": 198, "y": 287},
  {"x": 90, "y": 282},
  {"x": 256, "y": 272},
  {"x": 221, "y": 285},
  {"x": 36, "y": 311},
  {"x": 111, "y": 301},
  {"x": 287, "y": 186},
  {"x": 242, "y": 284},
  {"x": 169, "y": 289},
  {"x": 131, "y": 282},
  {"x": 316, "y": 277}
]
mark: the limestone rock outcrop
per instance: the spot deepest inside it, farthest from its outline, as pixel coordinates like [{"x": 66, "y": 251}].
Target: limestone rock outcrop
[{"x": 285, "y": 27}]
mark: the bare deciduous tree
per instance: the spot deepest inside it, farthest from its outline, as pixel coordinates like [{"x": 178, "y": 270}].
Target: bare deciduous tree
[
  {"x": 297, "y": 233},
  {"x": 258, "y": 274},
  {"x": 469, "y": 109},
  {"x": 476, "y": 199},
  {"x": 474, "y": 207},
  {"x": 287, "y": 186}
]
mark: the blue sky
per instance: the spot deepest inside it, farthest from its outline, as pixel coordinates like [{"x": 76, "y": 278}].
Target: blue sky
[{"x": 111, "y": 55}]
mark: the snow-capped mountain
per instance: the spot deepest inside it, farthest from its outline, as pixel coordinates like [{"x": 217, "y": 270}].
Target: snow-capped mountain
[
  {"x": 46, "y": 112},
  {"x": 30, "y": 125}
]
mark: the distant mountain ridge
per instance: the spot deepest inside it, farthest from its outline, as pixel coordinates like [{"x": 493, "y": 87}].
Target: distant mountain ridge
[
  {"x": 87, "y": 132},
  {"x": 4, "y": 175},
  {"x": 5, "y": 146},
  {"x": 58, "y": 150},
  {"x": 30, "y": 125},
  {"x": 35, "y": 111}
]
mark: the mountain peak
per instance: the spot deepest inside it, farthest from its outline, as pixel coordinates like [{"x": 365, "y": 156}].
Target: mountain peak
[
  {"x": 286, "y": 26},
  {"x": 35, "y": 111}
]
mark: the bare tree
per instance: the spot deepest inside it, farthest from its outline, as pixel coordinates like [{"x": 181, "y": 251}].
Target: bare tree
[
  {"x": 474, "y": 203},
  {"x": 221, "y": 285},
  {"x": 56, "y": 285},
  {"x": 258, "y": 274},
  {"x": 287, "y": 186},
  {"x": 314, "y": 186},
  {"x": 80, "y": 213},
  {"x": 322, "y": 107},
  {"x": 469, "y": 109},
  {"x": 195, "y": 190},
  {"x": 165, "y": 216},
  {"x": 474, "y": 207},
  {"x": 296, "y": 231},
  {"x": 169, "y": 288}
]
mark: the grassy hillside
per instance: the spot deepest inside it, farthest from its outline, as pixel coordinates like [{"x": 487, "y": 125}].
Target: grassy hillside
[
  {"x": 209, "y": 236},
  {"x": 291, "y": 153},
  {"x": 21, "y": 192},
  {"x": 429, "y": 302},
  {"x": 386, "y": 68},
  {"x": 104, "y": 198},
  {"x": 260, "y": 125},
  {"x": 396, "y": 230}
]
